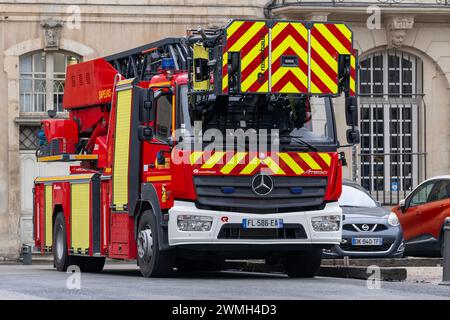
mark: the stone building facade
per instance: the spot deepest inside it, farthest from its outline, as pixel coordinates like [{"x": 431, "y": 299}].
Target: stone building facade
[{"x": 404, "y": 78}]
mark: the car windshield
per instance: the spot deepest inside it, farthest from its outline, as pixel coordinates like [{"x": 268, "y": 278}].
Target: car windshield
[{"x": 353, "y": 197}]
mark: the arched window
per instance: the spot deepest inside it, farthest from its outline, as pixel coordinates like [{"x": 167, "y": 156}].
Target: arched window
[
  {"x": 42, "y": 75},
  {"x": 390, "y": 107}
]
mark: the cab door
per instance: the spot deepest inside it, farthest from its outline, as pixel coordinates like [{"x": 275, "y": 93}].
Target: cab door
[{"x": 157, "y": 160}]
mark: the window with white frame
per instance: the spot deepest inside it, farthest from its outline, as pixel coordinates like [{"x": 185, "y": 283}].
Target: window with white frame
[
  {"x": 390, "y": 87},
  {"x": 42, "y": 76}
]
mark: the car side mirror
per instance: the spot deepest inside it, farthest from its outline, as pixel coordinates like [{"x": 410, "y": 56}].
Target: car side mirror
[{"x": 402, "y": 205}]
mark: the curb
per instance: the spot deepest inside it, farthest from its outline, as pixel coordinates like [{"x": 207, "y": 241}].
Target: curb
[
  {"x": 354, "y": 272},
  {"x": 386, "y": 262}
]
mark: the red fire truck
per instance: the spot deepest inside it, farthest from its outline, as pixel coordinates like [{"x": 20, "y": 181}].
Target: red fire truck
[{"x": 145, "y": 182}]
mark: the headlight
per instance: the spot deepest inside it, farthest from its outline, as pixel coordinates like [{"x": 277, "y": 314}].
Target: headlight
[
  {"x": 194, "y": 223},
  {"x": 393, "y": 220},
  {"x": 326, "y": 223}
]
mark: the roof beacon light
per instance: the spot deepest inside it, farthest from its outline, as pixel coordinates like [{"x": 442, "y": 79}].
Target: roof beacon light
[{"x": 167, "y": 64}]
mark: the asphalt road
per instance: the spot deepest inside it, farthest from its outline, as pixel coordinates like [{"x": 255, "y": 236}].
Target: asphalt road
[{"x": 123, "y": 281}]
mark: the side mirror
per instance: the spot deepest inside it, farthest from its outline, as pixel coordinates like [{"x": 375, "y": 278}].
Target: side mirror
[
  {"x": 351, "y": 111},
  {"x": 353, "y": 136},
  {"x": 402, "y": 205},
  {"x": 145, "y": 133}
]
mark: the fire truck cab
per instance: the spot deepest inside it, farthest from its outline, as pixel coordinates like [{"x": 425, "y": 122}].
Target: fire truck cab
[{"x": 192, "y": 150}]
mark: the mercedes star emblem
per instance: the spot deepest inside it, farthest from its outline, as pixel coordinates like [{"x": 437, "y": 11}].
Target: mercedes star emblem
[{"x": 262, "y": 184}]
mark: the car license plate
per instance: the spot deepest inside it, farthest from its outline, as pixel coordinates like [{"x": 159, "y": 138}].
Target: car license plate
[
  {"x": 262, "y": 223},
  {"x": 367, "y": 241}
]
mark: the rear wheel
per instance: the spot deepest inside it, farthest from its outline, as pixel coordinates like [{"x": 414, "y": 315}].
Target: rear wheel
[
  {"x": 303, "y": 264},
  {"x": 61, "y": 257},
  {"x": 152, "y": 261}
]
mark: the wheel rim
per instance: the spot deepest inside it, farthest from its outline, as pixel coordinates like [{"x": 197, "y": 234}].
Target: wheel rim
[
  {"x": 59, "y": 243},
  {"x": 145, "y": 244}
]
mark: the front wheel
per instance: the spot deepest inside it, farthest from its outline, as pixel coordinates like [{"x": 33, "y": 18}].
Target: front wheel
[
  {"x": 152, "y": 261},
  {"x": 303, "y": 264}
]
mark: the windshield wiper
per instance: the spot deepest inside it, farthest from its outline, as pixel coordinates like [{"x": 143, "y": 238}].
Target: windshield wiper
[{"x": 301, "y": 141}]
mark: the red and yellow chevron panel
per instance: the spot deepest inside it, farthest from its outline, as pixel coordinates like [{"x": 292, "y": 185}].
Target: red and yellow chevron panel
[
  {"x": 251, "y": 40},
  {"x": 249, "y": 163},
  {"x": 289, "y": 56},
  {"x": 327, "y": 41}
]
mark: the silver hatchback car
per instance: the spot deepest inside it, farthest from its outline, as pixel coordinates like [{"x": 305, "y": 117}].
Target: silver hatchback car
[{"x": 369, "y": 230}]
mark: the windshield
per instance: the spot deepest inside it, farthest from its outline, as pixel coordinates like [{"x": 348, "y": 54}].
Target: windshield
[
  {"x": 294, "y": 118},
  {"x": 353, "y": 197}
]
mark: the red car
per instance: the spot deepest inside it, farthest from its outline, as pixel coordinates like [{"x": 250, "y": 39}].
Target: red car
[{"x": 422, "y": 216}]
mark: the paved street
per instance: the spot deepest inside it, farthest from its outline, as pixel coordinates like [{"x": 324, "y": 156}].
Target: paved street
[{"x": 123, "y": 281}]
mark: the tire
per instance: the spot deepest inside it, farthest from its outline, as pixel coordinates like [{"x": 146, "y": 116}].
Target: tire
[
  {"x": 189, "y": 266},
  {"x": 303, "y": 264},
  {"x": 61, "y": 257},
  {"x": 92, "y": 264},
  {"x": 152, "y": 261}
]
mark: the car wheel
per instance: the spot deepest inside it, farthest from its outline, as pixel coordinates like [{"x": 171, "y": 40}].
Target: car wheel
[
  {"x": 152, "y": 261},
  {"x": 61, "y": 257},
  {"x": 303, "y": 264}
]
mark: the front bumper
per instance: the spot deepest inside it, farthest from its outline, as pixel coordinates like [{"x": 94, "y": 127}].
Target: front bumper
[
  {"x": 220, "y": 218},
  {"x": 392, "y": 235}
]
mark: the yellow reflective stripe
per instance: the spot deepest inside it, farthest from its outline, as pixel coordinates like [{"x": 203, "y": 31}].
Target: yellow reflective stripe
[
  {"x": 345, "y": 30},
  {"x": 159, "y": 178},
  {"x": 225, "y": 65},
  {"x": 80, "y": 213},
  {"x": 65, "y": 178},
  {"x": 159, "y": 84},
  {"x": 195, "y": 156},
  {"x": 310, "y": 161},
  {"x": 352, "y": 79},
  {"x": 48, "y": 216},
  {"x": 251, "y": 32},
  {"x": 254, "y": 52},
  {"x": 251, "y": 166},
  {"x": 330, "y": 83},
  {"x": 291, "y": 163},
  {"x": 273, "y": 166},
  {"x": 213, "y": 160},
  {"x": 234, "y": 161},
  {"x": 326, "y": 157},
  {"x": 233, "y": 27},
  {"x": 331, "y": 38}
]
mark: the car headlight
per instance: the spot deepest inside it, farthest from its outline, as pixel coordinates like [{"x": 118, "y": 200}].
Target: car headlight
[
  {"x": 194, "y": 223},
  {"x": 393, "y": 219},
  {"x": 326, "y": 223}
]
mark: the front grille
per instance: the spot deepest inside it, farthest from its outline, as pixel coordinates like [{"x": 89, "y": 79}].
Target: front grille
[
  {"x": 211, "y": 195},
  {"x": 289, "y": 231},
  {"x": 358, "y": 227},
  {"x": 348, "y": 247}
]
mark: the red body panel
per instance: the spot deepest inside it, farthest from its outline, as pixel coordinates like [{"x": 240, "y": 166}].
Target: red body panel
[{"x": 88, "y": 83}]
